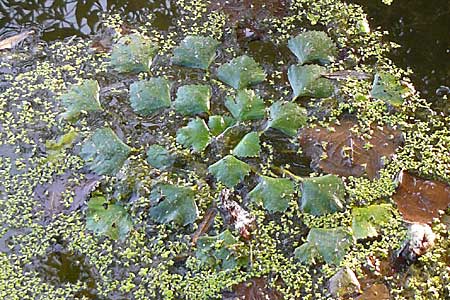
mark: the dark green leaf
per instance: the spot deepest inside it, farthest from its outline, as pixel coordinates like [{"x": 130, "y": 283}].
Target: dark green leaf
[
  {"x": 274, "y": 193},
  {"x": 195, "y": 135},
  {"x": 218, "y": 124},
  {"x": 81, "y": 98},
  {"x": 248, "y": 146},
  {"x": 173, "y": 203},
  {"x": 386, "y": 87},
  {"x": 192, "y": 99},
  {"x": 308, "y": 81},
  {"x": 222, "y": 252},
  {"x": 159, "y": 157},
  {"x": 132, "y": 53},
  {"x": 104, "y": 152},
  {"x": 195, "y": 52},
  {"x": 148, "y": 96},
  {"x": 313, "y": 46},
  {"x": 241, "y": 72},
  {"x": 367, "y": 220},
  {"x": 229, "y": 170},
  {"x": 323, "y": 195},
  {"x": 287, "y": 117},
  {"x": 330, "y": 244},
  {"x": 246, "y": 106},
  {"x": 110, "y": 219}
]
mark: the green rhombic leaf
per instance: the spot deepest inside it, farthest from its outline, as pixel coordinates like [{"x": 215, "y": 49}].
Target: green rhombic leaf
[
  {"x": 313, "y": 46},
  {"x": 159, "y": 157},
  {"x": 173, "y": 203},
  {"x": 246, "y": 106},
  {"x": 229, "y": 170},
  {"x": 248, "y": 146},
  {"x": 308, "y": 81},
  {"x": 387, "y": 88},
  {"x": 81, "y": 98},
  {"x": 218, "y": 124},
  {"x": 222, "y": 252},
  {"x": 132, "y": 53},
  {"x": 329, "y": 244},
  {"x": 195, "y": 52},
  {"x": 322, "y": 195},
  {"x": 195, "y": 135},
  {"x": 274, "y": 193},
  {"x": 104, "y": 152},
  {"x": 287, "y": 117},
  {"x": 148, "y": 96},
  {"x": 368, "y": 220},
  {"x": 193, "y": 99},
  {"x": 241, "y": 72},
  {"x": 109, "y": 219}
]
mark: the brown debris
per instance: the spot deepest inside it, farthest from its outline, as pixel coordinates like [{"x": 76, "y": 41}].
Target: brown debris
[
  {"x": 420, "y": 200},
  {"x": 12, "y": 41},
  {"x": 205, "y": 225},
  {"x": 235, "y": 215},
  {"x": 342, "y": 152},
  {"x": 251, "y": 9},
  {"x": 253, "y": 289},
  {"x": 377, "y": 291}
]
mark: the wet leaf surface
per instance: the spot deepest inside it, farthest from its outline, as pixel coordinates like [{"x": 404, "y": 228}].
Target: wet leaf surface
[
  {"x": 313, "y": 46},
  {"x": 420, "y": 200},
  {"x": 149, "y": 96},
  {"x": 195, "y": 135},
  {"x": 322, "y": 195},
  {"x": 338, "y": 150},
  {"x": 193, "y": 99},
  {"x": 253, "y": 289},
  {"x": 205, "y": 224},
  {"x": 246, "y": 106},
  {"x": 274, "y": 193},
  {"x": 249, "y": 146},
  {"x": 367, "y": 220},
  {"x": 81, "y": 98},
  {"x": 387, "y": 87},
  {"x": 307, "y": 81},
  {"x": 229, "y": 170},
  {"x": 287, "y": 117},
  {"x": 195, "y": 52},
  {"x": 173, "y": 203},
  {"x": 159, "y": 157},
  {"x": 241, "y": 72},
  {"x": 218, "y": 124}
]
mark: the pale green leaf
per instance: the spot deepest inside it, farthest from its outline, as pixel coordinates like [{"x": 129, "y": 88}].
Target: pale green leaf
[
  {"x": 329, "y": 244},
  {"x": 229, "y": 170},
  {"x": 195, "y": 135},
  {"x": 132, "y": 53},
  {"x": 195, "y": 52},
  {"x": 81, "y": 98},
  {"x": 287, "y": 117},
  {"x": 241, "y": 72},
  {"x": 322, "y": 195},
  {"x": 173, "y": 203},
  {"x": 149, "y": 96},
  {"x": 307, "y": 81},
  {"x": 248, "y": 146},
  {"x": 159, "y": 157},
  {"x": 367, "y": 220},
  {"x": 193, "y": 99},
  {"x": 104, "y": 152},
  {"x": 246, "y": 106},
  {"x": 274, "y": 193},
  {"x": 108, "y": 219},
  {"x": 313, "y": 46},
  {"x": 218, "y": 124},
  {"x": 386, "y": 87}
]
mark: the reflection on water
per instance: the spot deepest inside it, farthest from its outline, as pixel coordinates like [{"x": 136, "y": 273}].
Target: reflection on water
[
  {"x": 422, "y": 28},
  {"x": 62, "y": 18}
]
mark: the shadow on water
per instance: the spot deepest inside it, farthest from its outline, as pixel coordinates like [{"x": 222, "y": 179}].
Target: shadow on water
[{"x": 422, "y": 29}]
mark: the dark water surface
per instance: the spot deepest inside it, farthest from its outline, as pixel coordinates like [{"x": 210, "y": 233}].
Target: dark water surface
[{"x": 421, "y": 27}]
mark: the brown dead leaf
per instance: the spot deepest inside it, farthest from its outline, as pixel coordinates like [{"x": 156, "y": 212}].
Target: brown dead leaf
[
  {"x": 253, "y": 289},
  {"x": 420, "y": 200},
  {"x": 235, "y": 215},
  {"x": 12, "y": 41},
  {"x": 205, "y": 225},
  {"x": 375, "y": 292},
  {"x": 342, "y": 152}
]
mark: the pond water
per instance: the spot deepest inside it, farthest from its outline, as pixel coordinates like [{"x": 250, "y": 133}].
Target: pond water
[{"x": 419, "y": 27}]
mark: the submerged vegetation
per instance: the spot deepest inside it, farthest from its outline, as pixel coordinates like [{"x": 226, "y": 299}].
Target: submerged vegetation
[{"x": 227, "y": 158}]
